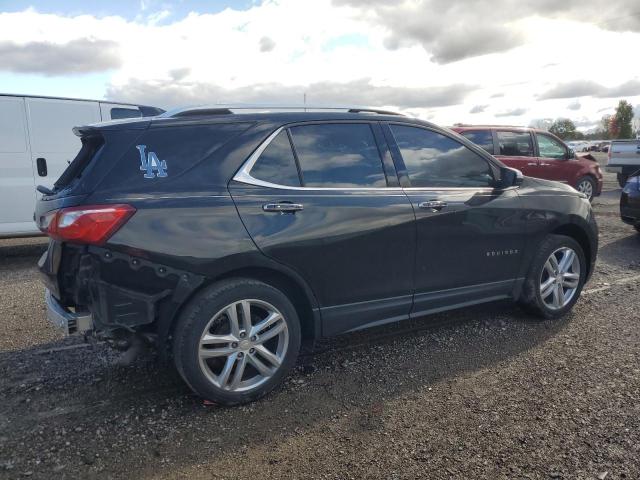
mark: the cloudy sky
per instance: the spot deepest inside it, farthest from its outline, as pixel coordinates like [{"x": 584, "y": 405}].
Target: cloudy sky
[{"x": 498, "y": 61}]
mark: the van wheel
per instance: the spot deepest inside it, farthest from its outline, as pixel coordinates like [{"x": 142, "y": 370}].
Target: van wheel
[
  {"x": 236, "y": 341},
  {"x": 556, "y": 277},
  {"x": 587, "y": 185}
]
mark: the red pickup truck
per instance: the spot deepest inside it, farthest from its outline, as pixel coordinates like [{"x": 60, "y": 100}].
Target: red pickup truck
[{"x": 537, "y": 153}]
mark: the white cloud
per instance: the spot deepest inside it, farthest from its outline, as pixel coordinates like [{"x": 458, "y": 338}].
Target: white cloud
[
  {"x": 169, "y": 93},
  {"x": 82, "y": 55},
  {"x": 267, "y": 44},
  {"x": 451, "y": 62},
  {"x": 451, "y": 31}
]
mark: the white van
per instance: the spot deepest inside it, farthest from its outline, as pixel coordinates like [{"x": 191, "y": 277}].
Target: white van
[{"x": 37, "y": 144}]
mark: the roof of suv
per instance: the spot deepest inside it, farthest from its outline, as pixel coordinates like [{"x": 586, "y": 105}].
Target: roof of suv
[{"x": 208, "y": 117}]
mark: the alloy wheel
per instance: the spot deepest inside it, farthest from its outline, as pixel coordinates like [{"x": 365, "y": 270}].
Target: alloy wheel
[
  {"x": 243, "y": 345},
  {"x": 560, "y": 278},
  {"x": 586, "y": 187}
]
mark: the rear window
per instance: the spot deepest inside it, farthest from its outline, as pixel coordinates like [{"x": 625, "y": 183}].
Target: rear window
[
  {"x": 118, "y": 113},
  {"x": 482, "y": 138},
  {"x": 515, "y": 144},
  {"x": 91, "y": 145},
  {"x": 338, "y": 155},
  {"x": 176, "y": 158},
  {"x": 277, "y": 163}
]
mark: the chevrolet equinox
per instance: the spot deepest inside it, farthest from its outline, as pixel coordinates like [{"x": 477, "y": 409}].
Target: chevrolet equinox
[{"x": 227, "y": 237}]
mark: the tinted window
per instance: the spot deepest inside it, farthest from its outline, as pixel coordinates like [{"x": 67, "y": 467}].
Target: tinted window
[
  {"x": 277, "y": 163},
  {"x": 119, "y": 113},
  {"x": 338, "y": 155},
  {"x": 435, "y": 160},
  {"x": 550, "y": 147},
  {"x": 482, "y": 138},
  {"x": 515, "y": 144}
]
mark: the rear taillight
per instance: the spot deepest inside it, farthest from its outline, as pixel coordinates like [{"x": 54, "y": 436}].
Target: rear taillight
[{"x": 92, "y": 224}]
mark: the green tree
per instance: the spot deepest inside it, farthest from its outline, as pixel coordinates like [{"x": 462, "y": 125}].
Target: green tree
[
  {"x": 624, "y": 117},
  {"x": 563, "y": 128},
  {"x": 605, "y": 125}
]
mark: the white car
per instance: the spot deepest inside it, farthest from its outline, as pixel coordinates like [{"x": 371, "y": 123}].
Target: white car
[{"x": 36, "y": 145}]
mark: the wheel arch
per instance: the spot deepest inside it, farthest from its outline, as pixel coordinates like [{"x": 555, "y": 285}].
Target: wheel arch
[
  {"x": 299, "y": 294},
  {"x": 289, "y": 283},
  {"x": 579, "y": 235}
]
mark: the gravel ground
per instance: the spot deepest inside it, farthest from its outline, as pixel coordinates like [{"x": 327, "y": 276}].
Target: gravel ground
[{"x": 487, "y": 392}]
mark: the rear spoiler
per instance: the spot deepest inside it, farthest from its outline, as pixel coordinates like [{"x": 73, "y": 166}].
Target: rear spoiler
[{"x": 127, "y": 124}]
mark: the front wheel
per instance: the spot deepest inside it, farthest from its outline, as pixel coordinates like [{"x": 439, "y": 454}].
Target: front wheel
[
  {"x": 556, "y": 277},
  {"x": 236, "y": 341},
  {"x": 587, "y": 185}
]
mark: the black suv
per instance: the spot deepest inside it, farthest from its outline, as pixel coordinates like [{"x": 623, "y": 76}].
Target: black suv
[{"x": 228, "y": 238}]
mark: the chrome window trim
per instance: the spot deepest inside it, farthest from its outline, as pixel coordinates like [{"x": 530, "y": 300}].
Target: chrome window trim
[
  {"x": 244, "y": 176},
  {"x": 448, "y": 189}
]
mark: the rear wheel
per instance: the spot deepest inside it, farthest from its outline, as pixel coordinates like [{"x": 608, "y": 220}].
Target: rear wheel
[
  {"x": 556, "y": 277},
  {"x": 236, "y": 341},
  {"x": 587, "y": 185}
]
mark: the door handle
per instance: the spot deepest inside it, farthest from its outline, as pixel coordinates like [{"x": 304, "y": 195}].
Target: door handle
[
  {"x": 282, "y": 207},
  {"x": 532, "y": 164},
  {"x": 41, "y": 165},
  {"x": 545, "y": 164},
  {"x": 433, "y": 205}
]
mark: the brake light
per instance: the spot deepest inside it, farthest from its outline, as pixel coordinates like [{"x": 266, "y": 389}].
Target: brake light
[{"x": 92, "y": 224}]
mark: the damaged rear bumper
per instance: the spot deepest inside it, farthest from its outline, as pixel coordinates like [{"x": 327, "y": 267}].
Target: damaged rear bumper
[
  {"x": 68, "y": 322},
  {"x": 122, "y": 294}
]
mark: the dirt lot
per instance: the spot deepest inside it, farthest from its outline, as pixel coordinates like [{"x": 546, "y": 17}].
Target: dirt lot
[{"x": 486, "y": 392}]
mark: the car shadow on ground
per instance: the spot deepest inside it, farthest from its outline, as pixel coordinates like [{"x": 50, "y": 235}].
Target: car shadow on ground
[{"x": 65, "y": 386}]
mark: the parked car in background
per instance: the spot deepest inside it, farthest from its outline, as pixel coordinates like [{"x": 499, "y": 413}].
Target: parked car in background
[
  {"x": 537, "y": 153},
  {"x": 578, "y": 145},
  {"x": 604, "y": 147},
  {"x": 630, "y": 201},
  {"x": 226, "y": 238},
  {"x": 623, "y": 159},
  {"x": 36, "y": 145}
]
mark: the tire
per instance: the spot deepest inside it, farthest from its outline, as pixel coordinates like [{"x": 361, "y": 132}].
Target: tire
[
  {"x": 210, "y": 365},
  {"x": 622, "y": 179},
  {"x": 532, "y": 295},
  {"x": 587, "y": 185}
]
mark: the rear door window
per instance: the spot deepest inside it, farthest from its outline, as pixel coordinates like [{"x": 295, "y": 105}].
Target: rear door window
[
  {"x": 514, "y": 144},
  {"x": 482, "y": 138},
  {"x": 338, "y": 155},
  {"x": 277, "y": 163}
]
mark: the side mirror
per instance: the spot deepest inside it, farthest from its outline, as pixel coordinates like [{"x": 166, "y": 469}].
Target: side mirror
[{"x": 509, "y": 177}]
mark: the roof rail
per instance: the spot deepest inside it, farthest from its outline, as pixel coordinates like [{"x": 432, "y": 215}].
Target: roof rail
[{"x": 245, "y": 108}]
